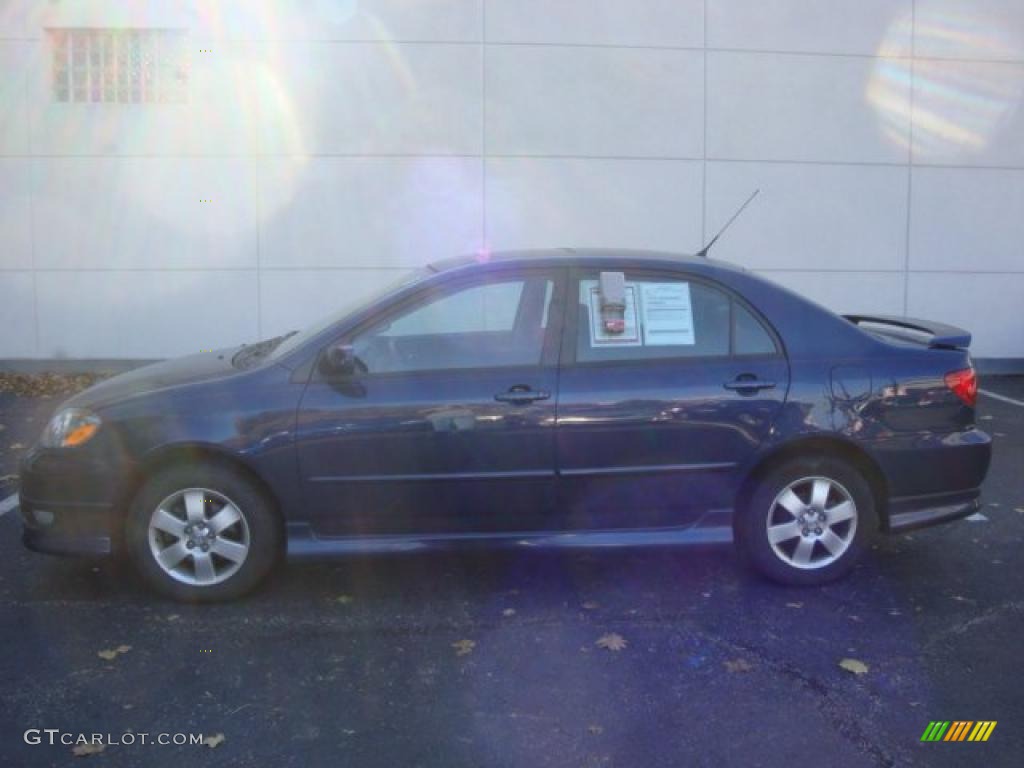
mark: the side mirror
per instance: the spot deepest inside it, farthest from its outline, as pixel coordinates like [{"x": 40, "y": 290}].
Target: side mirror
[{"x": 339, "y": 360}]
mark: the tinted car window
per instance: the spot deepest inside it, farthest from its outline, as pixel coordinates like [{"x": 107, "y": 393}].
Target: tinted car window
[
  {"x": 664, "y": 318},
  {"x": 749, "y": 336},
  {"x": 486, "y": 325},
  {"x": 668, "y": 318},
  {"x": 487, "y": 307}
]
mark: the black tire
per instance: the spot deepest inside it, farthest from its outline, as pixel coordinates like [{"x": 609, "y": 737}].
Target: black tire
[
  {"x": 752, "y": 521},
  {"x": 259, "y": 520}
]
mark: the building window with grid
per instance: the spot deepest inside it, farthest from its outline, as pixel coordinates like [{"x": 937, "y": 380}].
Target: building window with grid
[{"x": 119, "y": 66}]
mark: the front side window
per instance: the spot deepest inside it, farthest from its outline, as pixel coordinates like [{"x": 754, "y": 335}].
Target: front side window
[
  {"x": 666, "y": 317},
  {"x": 496, "y": 323}
]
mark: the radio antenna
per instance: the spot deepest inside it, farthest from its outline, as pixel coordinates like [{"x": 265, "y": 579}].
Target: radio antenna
[{"x": 703, "y": 252}]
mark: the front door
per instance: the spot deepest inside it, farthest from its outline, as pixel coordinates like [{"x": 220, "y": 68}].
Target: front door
[
  {"x": 448, "y": 427},
  {"x": 655, "y": 419}
]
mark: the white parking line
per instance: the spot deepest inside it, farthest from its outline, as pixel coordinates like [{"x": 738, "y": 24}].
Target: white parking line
[
  {"x": 1004, "y": 398},
  {"x": 8, "y": 504}
]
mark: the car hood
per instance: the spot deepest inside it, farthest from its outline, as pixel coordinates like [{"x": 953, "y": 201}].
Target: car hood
[{"x": 191, "y": 369}]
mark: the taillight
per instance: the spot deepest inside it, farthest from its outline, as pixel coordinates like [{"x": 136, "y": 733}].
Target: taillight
[{"x": 964, "y": 385}]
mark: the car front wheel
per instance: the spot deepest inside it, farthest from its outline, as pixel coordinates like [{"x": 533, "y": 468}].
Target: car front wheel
[
  {"x": 202, "y": 533},
  {"x": 807, "y": 522}
]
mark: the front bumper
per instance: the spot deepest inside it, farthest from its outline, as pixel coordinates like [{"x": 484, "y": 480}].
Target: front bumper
[
  {"x": 67, "y": 529},
  {"x": 68, "y": 501}
]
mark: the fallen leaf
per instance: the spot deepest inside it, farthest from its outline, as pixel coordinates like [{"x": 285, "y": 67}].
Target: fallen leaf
[
  {"x": 596, "y": 729},
  {"x": 112, "y": 653},
  {"x": 853, "y": 665},
  {"x": 794, "y": 605},
  {"x": 738, "y": 665},
  {"x": 463, "y": 647},
  {"x": 613, "y": 642},
  {"x": 47, "y": 384},
  {"x": 84, "y": 750},
  {"x": 509, "y": 612},
  {"x": 591, "y": 605},
  {"x": 214, "y": 741},
  {"x": 344, "y": 599}
]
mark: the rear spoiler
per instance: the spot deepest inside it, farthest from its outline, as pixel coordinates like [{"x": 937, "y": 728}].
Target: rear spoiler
[{"x": 939, "y": 334}]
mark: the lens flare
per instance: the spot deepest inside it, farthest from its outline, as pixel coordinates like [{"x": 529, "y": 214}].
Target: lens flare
[{"x": 959, "y": 107}]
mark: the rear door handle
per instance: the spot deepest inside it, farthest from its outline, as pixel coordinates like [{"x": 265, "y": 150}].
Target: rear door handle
[
  {"x": 740, "y": 384},
  {"x": 520, "y": 395}
]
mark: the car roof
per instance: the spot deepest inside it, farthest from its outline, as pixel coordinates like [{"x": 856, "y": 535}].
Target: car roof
[{"x": 623, "y": 258}]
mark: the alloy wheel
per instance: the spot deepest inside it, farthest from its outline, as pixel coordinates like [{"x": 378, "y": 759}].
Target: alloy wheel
[
  {"x": 811, "y": 523},
  {"x": 198, "y": 536}
]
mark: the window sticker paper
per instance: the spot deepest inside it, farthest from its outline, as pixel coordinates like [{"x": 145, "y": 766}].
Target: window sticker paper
[
  {"x": 667, "y": 314},
  {"x": 599, "y": 337}
]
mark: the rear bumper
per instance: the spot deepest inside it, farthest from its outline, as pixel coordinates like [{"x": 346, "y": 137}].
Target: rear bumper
[
  {"x": 910, "y": 512},
  {"x": 922, "y": 464},
  {"x": 932, "y": 478}
]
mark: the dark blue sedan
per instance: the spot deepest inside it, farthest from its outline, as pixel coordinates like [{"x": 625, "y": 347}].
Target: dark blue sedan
[{"x": 548, "y": 399}]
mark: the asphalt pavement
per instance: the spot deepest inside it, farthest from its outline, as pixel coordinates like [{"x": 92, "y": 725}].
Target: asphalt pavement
[{"x": 510, "y": 659}]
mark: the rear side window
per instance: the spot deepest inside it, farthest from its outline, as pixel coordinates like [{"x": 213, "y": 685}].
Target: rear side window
[{"x": 668, "y": 318}]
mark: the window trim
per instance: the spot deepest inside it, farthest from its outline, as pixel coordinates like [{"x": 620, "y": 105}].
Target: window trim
[
  {"x": 550, "y": 347},
  {"x": 570, "y": 324}
]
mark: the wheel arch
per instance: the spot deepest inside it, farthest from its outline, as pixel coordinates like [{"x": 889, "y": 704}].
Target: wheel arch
[
  {"x": 821, "y": 446},
  {"x": 191, "y": 453}
]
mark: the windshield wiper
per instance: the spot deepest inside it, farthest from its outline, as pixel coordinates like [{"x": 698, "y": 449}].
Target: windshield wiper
[{"x": 249, "y": 353}]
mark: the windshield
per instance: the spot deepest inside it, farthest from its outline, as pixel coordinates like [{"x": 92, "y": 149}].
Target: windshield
[{"x": 296, "y": 339}]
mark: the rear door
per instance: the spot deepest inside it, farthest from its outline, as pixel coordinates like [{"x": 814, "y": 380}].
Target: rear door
[{"x": 654, "y": 421}]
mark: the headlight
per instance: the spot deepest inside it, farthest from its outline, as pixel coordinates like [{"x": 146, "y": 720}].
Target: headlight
[{"x": 71, "y": 426}]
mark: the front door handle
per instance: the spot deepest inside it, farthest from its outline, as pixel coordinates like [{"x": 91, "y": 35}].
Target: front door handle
[
  {"x": 521, "y": 395},
  {"x": 748, "y": 382}
]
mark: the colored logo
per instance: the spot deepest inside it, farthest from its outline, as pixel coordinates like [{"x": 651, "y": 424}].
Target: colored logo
[{"x": 958, "y": 730}]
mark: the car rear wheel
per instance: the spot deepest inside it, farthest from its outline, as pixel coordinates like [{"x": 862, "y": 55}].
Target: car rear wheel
[
  {"x": 807, "y": 522},
  {"x": 202, "y": 533}
]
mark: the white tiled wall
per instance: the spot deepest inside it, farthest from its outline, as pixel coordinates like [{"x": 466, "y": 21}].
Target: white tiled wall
[
  {"x": 776, "y": 106},
  {"x": 369, "y": 212},
  {"x": 338, "y": 142},
  {"x": 534, "y": 202},
  {"x": 865, "y": 27},
  {"x": 594, "y": 101}
]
